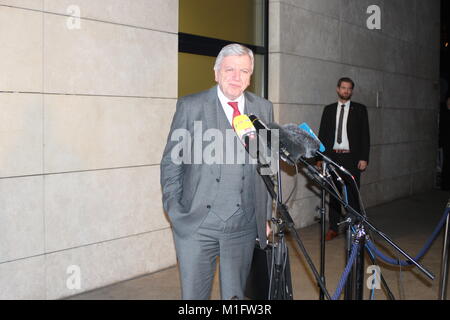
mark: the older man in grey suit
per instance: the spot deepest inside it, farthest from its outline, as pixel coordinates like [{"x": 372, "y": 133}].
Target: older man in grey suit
[{"x": 215, "y": 208}]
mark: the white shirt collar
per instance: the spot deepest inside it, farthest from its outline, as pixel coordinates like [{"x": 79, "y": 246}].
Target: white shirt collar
[
  {"x": 347, "y": 104},
  {"x": 227, "y": 108}
]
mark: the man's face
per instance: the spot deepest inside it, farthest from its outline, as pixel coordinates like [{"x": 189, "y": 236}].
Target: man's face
[
  {"x": 234, "y": 75},
  {"x": 345, "y": 91}
]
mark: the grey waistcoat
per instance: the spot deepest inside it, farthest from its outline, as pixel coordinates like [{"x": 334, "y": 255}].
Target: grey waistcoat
[{"x": 230, "y": 184}]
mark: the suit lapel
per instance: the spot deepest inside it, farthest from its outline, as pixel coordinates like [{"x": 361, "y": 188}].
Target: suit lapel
[
  {"x": 250, "y": 106},
  {"x": 351, "y": 117},
  {"x": 210, "y": 121},
  {"x": 333, "y": 120},
  {"x": 210, "y": 108}
]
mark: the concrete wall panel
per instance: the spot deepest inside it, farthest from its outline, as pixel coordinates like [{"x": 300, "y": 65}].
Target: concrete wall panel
[
  {"x": 376, "y": 126},
  {"x": 21, "y": 61},
  {"x": 329, "y": 8},
  {"x": 103, "y": 263},
  {"x": 362, "y": 47},
  {"x": 318, "y": 40},
  {"x": 23, "y": 4},
  {"x": 109, "y": 59},
  {"x": 21, "y": 137},
  {"x": 91, "y": 207},
  {"x": 85, "y": 133},
  {"x": 399, "y": 19},
  {"x": 308, "y": 81},
  {"x": 23, "y": 279},
  {"x": 398, "y": 91},
  {"x": 428, "y": 18},
  {"x": 159, "y": 15},
  {"x": 21, "y": 218},
  {"x": 399, "y": 56}
]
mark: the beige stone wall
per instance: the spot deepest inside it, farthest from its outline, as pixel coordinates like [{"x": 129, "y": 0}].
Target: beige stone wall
[
  {"x": 315, "y": 42},
  {"x": 85, "y": 113}
]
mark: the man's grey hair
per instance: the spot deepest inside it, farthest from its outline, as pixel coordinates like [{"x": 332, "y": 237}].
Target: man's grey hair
[{"x": 233, "y": 49}]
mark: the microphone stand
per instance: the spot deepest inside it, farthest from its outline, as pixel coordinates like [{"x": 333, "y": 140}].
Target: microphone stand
[
  {"x": 362, "y": 219},
  {"x": 282, "y": 209},
  {"x": 354, "y": 286},
  {"x": 323, "y": 182},
  {"x": 282, "y": 288},
  {"x": 445, "y": 259},
  {"x": 322, "y": 233}
]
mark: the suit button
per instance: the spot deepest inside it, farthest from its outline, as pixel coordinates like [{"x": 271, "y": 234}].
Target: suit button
[
  {"x": 243, "y": 178},
  {"x": 218, "y": 180},
  {"x": 208, "y": 206},
  {"x": 238, "y": 205},
  {"x": 242, "y": 191}
]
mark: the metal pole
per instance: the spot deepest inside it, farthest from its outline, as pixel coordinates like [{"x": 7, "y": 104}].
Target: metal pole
[
  {"x": 445, "y": 259},
  {"x": 348, "y": 290},
  {"x": 354, "y": 289},
  {"x": 359, "y": 266},
  {"x": 322, "y": 235}
]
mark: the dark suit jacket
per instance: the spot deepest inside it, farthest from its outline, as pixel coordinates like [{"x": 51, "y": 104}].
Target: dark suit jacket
[
  {"x": 189, "y": 189},
  {"x": 444, "y": 127},
  {"x": 357, "y": 130}
]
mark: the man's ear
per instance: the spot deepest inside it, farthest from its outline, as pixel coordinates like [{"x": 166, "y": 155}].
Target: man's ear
[{"x": 216, "y": 78}]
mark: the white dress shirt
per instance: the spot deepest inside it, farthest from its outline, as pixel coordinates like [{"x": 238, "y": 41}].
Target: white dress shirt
[
  {"x": 227, "y": 108},
  {"x": 344, "y": 145}
]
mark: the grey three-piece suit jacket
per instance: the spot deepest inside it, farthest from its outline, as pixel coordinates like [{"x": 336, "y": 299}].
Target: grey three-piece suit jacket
[{"x": 190, "y": 188}]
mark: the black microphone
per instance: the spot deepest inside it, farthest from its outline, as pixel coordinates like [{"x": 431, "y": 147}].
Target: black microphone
[
  {"x": 265, "y": 134},
  {"x": 289, "y": 150},
  {"x": 294, "y": 143},
  {"x": 280, "y": 138},
  {"x": 257, "y": 123},
  {"x": 262, "y": 130},
  {"x": 249, "y": 137},
  {"x": 306, "y": 128},
  {"x": 309, "y": 145}
]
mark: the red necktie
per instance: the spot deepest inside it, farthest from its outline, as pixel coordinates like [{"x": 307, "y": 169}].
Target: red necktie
[{"x": 236, "y": 112}]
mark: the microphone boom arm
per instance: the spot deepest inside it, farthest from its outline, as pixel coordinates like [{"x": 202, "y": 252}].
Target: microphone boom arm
[{"x": 364, "y": 220}]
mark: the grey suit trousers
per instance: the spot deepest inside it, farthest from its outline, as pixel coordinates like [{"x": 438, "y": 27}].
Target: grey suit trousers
[{"x": 234, "y": 239}]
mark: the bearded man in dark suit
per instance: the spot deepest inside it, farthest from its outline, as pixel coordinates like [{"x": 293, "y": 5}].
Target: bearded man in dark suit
[{"x": 344, "y": 131}]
